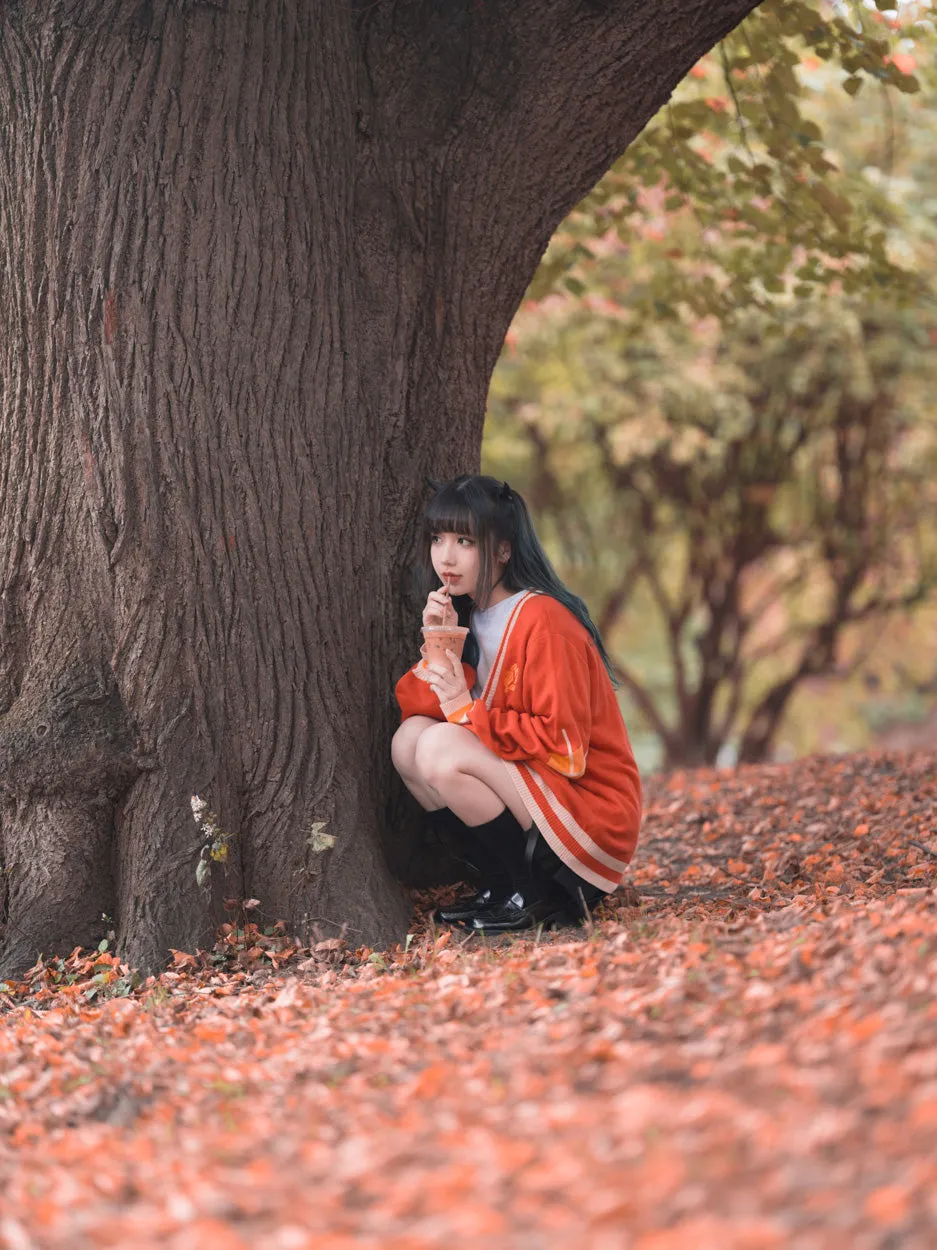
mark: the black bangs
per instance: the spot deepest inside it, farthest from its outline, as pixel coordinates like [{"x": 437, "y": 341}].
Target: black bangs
[{"x": 450, "y": 512}]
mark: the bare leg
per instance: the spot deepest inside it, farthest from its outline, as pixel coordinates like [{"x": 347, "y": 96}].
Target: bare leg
[
  {"x": 403, "y": 753},
  {"x": 465, "y": 776}
]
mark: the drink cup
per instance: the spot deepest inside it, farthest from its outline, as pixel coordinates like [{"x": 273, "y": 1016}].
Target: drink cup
[{"x": 437, "y": 640}]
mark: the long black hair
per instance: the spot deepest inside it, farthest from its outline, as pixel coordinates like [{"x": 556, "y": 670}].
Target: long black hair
[{"x": 491, "y": 512}]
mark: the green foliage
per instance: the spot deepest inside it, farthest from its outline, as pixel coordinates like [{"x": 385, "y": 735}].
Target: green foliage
[
  {"x": 717, "y": 396},
  {"x": 753, "y": 494},
  {"x": 736, "y": 177}
]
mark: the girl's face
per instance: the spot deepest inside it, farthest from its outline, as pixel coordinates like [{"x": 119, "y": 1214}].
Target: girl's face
[{"x": 456, "y": 561}]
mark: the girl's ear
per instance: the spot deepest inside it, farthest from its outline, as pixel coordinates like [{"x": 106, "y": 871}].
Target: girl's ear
[{"x": 504, "y": 553}]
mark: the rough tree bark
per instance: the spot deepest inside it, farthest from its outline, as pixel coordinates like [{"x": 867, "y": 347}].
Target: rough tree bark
[{"x": 257, "y": 262}]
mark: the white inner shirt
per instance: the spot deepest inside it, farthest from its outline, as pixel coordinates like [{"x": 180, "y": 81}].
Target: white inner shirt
[{"x": 488, "y": 627}]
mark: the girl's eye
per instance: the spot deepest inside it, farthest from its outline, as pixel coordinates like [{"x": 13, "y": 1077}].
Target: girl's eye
[{"x": 469, "y": 541}]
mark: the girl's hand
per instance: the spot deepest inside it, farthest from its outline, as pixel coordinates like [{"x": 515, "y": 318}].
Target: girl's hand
[
  {"x": 439, "y": 609},
  {"x": 448, "y": 679}
]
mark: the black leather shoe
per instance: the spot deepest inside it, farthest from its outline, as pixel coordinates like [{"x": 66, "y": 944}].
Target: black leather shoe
[
  {"x": 463, "y": 911},
  {"x": 516, "y": 914}
]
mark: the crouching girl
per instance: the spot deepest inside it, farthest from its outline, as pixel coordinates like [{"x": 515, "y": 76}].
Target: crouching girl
[{"x": 519, "y": 749}]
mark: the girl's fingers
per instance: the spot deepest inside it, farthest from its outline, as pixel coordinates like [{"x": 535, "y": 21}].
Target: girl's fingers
[{"x": 439, "y": 609}]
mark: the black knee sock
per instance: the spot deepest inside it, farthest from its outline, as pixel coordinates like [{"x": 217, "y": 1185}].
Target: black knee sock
[
  {"x": 490, "y": 869},
  {"x": 446, "y": 822},
  {"x": 505, "y": 843},
  {"x": 497, "y": 851}
]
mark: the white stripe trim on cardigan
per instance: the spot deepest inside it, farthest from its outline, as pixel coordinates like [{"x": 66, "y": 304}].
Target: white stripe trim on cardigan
[
  {"x": 579, "y": 834},
  {"x": 491, "y": 685}
]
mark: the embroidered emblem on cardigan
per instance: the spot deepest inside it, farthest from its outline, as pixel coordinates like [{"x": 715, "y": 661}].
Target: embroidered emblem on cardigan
[{"x": 510, "y": 678}]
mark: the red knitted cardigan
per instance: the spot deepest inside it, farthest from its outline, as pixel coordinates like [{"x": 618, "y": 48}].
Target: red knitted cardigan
[{"x": 550, "y": 712}]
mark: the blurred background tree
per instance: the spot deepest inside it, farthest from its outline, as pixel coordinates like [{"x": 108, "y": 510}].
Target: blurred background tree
[{"x": 718, "y": 395}]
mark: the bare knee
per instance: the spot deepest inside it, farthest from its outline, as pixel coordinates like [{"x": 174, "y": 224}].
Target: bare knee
[
  {"x": 434, "y": 757},
  {"x": 404, "y": 743}
]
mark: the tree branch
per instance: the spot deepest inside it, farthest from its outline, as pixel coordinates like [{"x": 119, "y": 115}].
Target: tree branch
[{"x": 504, "y": 114}]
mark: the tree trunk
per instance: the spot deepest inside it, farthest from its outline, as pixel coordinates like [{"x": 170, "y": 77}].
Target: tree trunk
[{"x": 257, "y": 264}]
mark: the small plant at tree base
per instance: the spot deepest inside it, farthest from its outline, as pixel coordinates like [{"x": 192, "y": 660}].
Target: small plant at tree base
[{"x": 215, "y": 845}]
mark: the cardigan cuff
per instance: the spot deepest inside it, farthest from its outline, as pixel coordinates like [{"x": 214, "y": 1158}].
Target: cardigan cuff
[{"x": 456, "y": 710}]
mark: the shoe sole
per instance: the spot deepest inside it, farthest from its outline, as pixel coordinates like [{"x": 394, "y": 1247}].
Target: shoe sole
[{"x": 549, "y": 923}]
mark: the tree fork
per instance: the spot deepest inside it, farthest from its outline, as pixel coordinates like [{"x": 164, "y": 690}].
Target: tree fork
[{"x": 256, "y": 257}]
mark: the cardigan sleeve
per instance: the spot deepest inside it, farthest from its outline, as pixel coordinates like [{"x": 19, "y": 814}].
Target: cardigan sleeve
[
  {"x": 555, "y": 725},
  {"x": 416, "y": 698}
]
